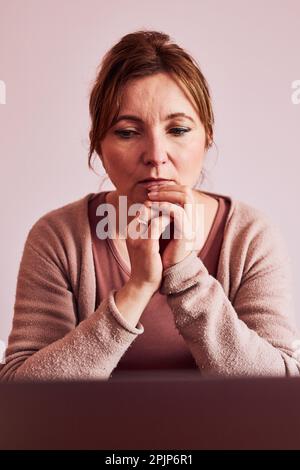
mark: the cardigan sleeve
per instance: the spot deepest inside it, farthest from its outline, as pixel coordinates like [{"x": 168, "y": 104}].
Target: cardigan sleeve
[
  {"x": 46, "y": 342},
  {"x": 254, "y": 334}
]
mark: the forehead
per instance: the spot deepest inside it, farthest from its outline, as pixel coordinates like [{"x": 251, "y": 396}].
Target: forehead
[{"x": 159, "y": 92}]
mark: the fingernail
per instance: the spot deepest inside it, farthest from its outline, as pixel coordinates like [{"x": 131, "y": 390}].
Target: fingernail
[{"x": 153, "y": 193}]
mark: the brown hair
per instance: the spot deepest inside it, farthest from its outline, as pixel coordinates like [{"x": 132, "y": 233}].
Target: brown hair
[{"x": 136, "y": 55}]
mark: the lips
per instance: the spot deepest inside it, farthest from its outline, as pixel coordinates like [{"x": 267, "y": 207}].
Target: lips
[{"x": 155, "y": 182}]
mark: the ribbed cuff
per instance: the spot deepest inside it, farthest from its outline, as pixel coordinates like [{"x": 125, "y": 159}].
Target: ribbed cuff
[
  {"x": 182, "y": 275},
  {"x": 119, "y": 317}
]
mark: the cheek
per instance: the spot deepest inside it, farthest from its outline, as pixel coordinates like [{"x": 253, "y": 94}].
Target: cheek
[
  {"x": 115, "y": 152},
  {"x": 116, "y": 158},
  {"x": 190, "y": 159},
  {"x": 120, "y": 151},
  {"x": 121, "y": 166}
]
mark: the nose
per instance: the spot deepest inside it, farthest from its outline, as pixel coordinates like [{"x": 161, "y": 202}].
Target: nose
[{"x": 155, "y": 154}]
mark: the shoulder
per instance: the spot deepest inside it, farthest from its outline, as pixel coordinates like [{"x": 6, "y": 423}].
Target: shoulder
[
  {"x": 62, "y": 217},
  {"x": 242, "y": 216},
  {"x": 61, "y": 229},
  {"x": 251, "y": 221},
  {"x": 251, "y": 233},
  {"x": 254, "y": 237}
]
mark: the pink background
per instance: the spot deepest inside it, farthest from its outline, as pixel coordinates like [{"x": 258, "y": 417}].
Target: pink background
[{"x": 49, "y": 51}]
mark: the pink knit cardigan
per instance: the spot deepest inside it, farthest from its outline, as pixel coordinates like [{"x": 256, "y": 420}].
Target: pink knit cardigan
[{"x": 240, "y": 323}]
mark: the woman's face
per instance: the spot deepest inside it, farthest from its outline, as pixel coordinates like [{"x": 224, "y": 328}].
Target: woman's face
[{"x": 154, "y": 144}]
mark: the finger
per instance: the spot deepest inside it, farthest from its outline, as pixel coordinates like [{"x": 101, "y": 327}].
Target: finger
[
  {"x": 145, "y": 213},
  {"x": 171, "y": 187},
  {"x": 157, "y": 222},
  {"x": 183, "y": 224},
  {"x": 149, "y": 211},
  {"x": 175, "y": 197},
  {"x": 166, "y": 184},
  {"x": 167, "y": 208},
  {"x": 157, "y": 226},
  {"x": 138, "y": 227},
  {"x": 139, "y": 223}
]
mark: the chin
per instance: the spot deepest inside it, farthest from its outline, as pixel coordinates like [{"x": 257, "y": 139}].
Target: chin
[{"x": 136, "y": 194}]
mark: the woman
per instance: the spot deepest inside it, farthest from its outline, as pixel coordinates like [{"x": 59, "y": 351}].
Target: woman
[{"x": 88, "y": 306}]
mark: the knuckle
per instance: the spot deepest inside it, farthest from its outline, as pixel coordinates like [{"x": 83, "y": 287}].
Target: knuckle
[{"x": 188, "y": 192}]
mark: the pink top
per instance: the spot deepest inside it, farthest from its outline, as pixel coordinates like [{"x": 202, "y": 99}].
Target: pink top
[{"x": 161, "y": 346}]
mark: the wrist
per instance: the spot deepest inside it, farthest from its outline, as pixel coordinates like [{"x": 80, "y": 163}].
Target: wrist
[
  {"x": 141, "y": 289},
  {"x": 131, "y": 300}
]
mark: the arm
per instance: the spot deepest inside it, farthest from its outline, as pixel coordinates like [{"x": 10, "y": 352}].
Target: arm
[
  {"x": 254, "y": 334},
  {"x": 46, "y": 343}
]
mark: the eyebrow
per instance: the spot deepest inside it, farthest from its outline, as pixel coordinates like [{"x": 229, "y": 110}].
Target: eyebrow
[{"x": 131, "y": 117}]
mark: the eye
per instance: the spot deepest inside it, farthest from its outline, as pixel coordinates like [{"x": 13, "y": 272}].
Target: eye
[
  {"x": 182, "y": 131},
  {"x": 124, "y": 134},
  {"x": 127, "y": 134}
]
